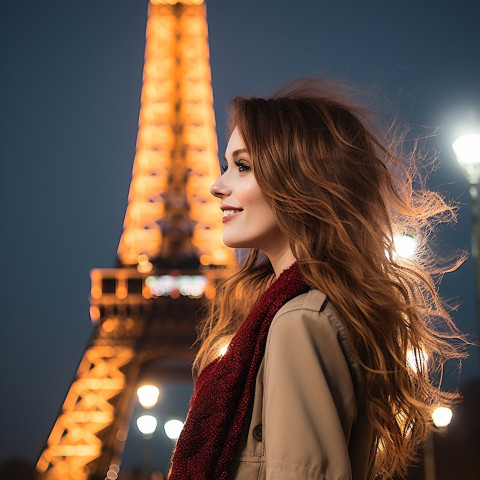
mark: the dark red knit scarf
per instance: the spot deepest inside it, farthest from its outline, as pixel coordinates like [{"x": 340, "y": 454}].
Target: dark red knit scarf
[{"x": 225, "y": 389}]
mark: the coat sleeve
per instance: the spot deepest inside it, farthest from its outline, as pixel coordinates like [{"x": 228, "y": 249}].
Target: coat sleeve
[{"x": 309, "y": 399}]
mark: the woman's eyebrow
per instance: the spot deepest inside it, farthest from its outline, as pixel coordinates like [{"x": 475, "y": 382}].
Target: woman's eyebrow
[
  {"x": 236, "y": 153},
  {"x": 239, "y": 151}
]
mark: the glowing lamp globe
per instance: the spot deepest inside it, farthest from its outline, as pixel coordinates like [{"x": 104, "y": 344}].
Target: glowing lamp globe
[
  {"x": 417, "y": 359},
  {"x": 148, "y": 395},
  {"x": 467, "y": 150},
  {"x": 405, "y": 245},
  {"x": 147, "y": 424},
  {"x": 442, "y": 416},
  {"x": 173, "y": 428}
]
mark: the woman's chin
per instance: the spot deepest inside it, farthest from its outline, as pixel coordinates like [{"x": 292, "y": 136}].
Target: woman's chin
[{"x": 234, "y": 243}]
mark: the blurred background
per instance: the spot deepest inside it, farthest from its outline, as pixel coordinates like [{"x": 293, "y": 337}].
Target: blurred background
[{"x": 70, "y": 97}]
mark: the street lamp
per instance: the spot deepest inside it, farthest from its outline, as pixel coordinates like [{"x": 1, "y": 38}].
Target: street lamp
[
  {"x": 441, "y": 417},
  {"x": 147, "y": 424},
  {"x": 467, "y": 150}
]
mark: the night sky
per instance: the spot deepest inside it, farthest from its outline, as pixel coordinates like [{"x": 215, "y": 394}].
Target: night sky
[{"x": 70, "y": 83}]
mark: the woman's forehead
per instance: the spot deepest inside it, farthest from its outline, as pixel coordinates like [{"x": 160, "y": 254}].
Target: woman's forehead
[{"x": 235, "y": 144}]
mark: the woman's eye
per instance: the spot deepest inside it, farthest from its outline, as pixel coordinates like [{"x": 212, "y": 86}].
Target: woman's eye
[{"x": 242, "y": 167}]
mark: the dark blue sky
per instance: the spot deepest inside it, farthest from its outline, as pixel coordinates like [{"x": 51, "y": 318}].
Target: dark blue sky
[{"x": 70, "y": 96}]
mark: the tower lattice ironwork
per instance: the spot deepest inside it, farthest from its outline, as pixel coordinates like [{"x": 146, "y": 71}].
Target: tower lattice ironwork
[{"x": 170, "y": 252}]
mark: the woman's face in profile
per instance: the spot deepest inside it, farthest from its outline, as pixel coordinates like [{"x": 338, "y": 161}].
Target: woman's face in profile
[{"x": 248, "y": 218}]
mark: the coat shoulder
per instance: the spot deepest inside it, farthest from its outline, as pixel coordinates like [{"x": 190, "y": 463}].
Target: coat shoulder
[
  {"x": 312, "y": 300},
  {"x": 314, "y": 312}
]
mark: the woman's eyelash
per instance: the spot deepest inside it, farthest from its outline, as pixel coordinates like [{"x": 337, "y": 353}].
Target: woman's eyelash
[{"x": 241, "y": 165}]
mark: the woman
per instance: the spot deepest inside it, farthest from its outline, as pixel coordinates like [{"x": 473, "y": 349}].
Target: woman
[{"x": 319, "y": 380}]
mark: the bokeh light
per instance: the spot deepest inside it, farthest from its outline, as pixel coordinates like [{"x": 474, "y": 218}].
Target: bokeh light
[
  {"x": 148, "y": 395},
  {"x": 405, "y": 245},
  {"x": 173, "y": 428},
  {"x": 147, "y": 424},
  {"x": 442, "y": 416}
]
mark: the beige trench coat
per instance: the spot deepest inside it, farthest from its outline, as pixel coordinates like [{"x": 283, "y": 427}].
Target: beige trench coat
[{"x": 308, "y": 419}]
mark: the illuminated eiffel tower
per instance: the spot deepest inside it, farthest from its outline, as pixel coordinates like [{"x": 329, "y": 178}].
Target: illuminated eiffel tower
[{"x": 170, "y": 251}]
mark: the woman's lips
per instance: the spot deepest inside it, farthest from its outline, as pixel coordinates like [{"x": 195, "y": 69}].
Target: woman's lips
[{"x": 229, "y": 217}]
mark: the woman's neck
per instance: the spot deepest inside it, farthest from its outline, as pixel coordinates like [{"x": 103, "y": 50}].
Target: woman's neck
[{"x": 281, "y": 259}]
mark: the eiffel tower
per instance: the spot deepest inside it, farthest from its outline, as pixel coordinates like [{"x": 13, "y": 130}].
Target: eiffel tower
[{"x": 169, "y": 256}]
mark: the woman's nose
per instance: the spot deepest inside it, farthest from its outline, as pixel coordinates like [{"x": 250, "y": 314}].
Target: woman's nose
[{"x": 219, "y": 189}]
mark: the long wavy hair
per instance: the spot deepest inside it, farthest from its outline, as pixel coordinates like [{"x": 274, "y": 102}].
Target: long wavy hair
[{"x": 341, "y": 191}]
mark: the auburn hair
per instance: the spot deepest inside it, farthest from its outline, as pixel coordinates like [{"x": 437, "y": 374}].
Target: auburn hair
[{"x": 341, "y": 191}]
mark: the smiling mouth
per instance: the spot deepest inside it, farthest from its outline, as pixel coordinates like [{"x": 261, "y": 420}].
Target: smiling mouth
[{"x": 229, "y": 214}]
